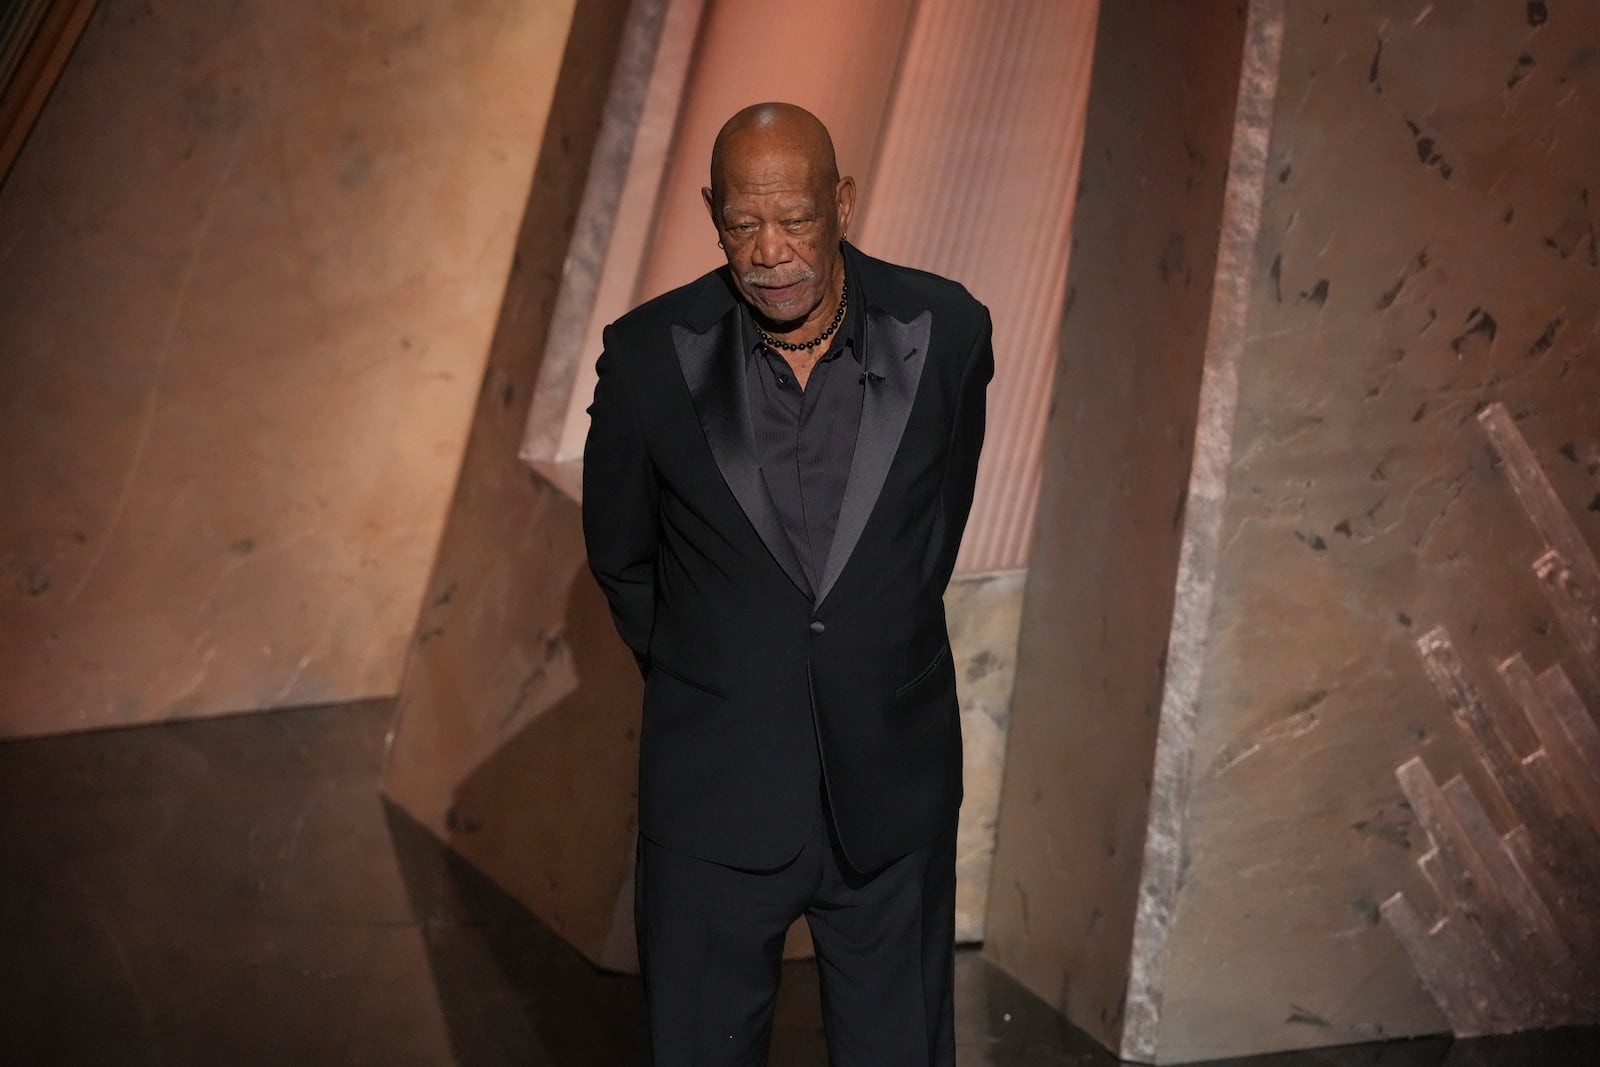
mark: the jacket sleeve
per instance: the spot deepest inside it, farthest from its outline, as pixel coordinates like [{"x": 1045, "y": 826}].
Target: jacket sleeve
[
  {"x": 620, "y": 499},
  {"x": 961, "y": 473}
]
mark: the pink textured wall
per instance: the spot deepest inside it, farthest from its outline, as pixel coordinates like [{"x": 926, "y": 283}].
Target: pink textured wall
[
  {"x": 976, "y": 180},
  {"x": 253, "y": 253}
]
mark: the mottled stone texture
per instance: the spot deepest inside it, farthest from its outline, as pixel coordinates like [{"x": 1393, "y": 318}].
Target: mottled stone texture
[
  {"x": 253, "y": 253},
  {"x": 1513, "y": 940},
  {"x": 516, "y": 732},
  {"x": 983, "y": 612},
  {"x": 1100, "y": 587},
  {"x": 1426, "y": 246}
]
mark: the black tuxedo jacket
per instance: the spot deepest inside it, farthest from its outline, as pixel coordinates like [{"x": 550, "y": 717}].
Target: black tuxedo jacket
[{"x": 760, "y": 690}]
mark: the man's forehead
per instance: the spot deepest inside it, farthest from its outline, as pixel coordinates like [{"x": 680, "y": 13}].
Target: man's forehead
[
  {"x": 782, "y": 190},
  {"x": 770, "y": 151},
  {"x": 766, "y": 167},
  {"x": 732, "y": 208}
]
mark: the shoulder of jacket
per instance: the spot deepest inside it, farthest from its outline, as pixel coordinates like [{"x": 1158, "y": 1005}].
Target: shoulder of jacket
[
  {"x": 675, "y": 305},
  {"x": 927, "y": 287}
]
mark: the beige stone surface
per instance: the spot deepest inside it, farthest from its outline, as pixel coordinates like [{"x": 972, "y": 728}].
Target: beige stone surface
[
  {"x": 1424, "y": 248},
  {"x": 1427, "y": 250},
  {"x": 983, "y": 613},
  {"x": 516, "y": 732},
  {"x": 1101, "y": 585},
  {"x": 254, "y": 254}
]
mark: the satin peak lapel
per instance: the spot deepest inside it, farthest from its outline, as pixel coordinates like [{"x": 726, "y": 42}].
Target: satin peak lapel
[
  {"x": 896, "y": 354},
  {"x": 714, "y": 368}
]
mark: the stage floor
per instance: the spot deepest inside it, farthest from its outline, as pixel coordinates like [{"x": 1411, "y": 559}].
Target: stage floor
[{"x": 235, "y": 892}]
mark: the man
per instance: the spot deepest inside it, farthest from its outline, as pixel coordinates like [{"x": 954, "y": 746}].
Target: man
[{"x": 779, "y": 467}]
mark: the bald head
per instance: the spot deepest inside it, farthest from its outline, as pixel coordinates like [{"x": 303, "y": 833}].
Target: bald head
[
  {"x": 765, "y": 129},
  {"x": 781, "y": 209}
]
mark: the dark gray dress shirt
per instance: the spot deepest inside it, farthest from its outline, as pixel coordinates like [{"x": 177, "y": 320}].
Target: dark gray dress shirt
[{"x": 806, "y": 438}]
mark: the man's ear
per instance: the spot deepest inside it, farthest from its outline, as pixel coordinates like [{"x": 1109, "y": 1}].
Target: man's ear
[
  {"x": 711, "y": 206},
  {"x": 845, "y": 195}
]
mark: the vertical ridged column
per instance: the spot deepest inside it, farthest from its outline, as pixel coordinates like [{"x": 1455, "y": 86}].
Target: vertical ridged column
[{"x": 976, "y": 179}]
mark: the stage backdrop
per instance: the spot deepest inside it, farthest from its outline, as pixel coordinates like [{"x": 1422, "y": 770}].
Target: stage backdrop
[
  {"x": 253, "y": 255},
  {"x": 1302, "y": 746}
]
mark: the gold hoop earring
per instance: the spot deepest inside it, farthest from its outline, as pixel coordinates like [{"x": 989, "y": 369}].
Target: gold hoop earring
[{"x": 719, "y": 244}]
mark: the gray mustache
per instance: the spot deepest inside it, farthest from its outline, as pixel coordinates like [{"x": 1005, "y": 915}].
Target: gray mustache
[{"x": 777, "y": 281}]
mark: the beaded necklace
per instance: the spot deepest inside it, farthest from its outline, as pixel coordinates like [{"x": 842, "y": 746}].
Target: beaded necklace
[{"x": 806, "y": 346}]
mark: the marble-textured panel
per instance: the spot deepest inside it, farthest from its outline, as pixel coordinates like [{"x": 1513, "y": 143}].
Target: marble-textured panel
[
  {"x": 1165, "y": 856},
  {"x": 1426, "y": 250},
  {"x": 1117, "y": 452},
  {"x": 613, "y": 222},
  {"x": 516, "y": 729},
  {"x": 983, "y": 612},
  {"x": 253, "y": 253},
  {"x": 1516, "y": 941},
  {"x": 1407, "y": 243}
]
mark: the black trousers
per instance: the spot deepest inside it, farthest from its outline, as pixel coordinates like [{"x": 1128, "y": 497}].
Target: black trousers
[{"x": 711, "y": 945}]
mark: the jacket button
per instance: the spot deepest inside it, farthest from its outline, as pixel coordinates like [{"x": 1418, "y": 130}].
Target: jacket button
[{"x": 818, "y": 628}]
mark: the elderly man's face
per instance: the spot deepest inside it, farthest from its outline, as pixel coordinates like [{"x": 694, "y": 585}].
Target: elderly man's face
[{"x": 780, "y": 223}]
